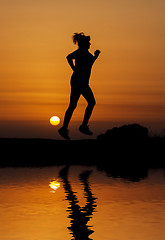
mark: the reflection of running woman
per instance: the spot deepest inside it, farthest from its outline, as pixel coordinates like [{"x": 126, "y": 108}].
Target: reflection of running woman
[
  {"x": 79, "y": 215},
  {"x": 80, "y": 82}
]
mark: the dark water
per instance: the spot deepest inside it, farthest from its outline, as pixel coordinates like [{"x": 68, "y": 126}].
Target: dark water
[{"x": 80, "y": 203}]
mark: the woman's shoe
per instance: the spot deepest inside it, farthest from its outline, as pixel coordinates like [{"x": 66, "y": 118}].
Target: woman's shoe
[
  {"x": 85, "y": 129},
  {"x": 64, "y": 133}
]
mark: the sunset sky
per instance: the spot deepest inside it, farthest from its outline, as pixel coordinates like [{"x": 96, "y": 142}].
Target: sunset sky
[{"x": 128, "y": 79}]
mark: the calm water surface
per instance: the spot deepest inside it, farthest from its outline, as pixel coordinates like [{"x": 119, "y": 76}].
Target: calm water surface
[{"x": 58, "y": 203}]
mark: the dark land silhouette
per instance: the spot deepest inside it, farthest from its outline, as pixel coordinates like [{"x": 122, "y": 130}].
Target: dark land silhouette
[{"x": 126, "y": 151}]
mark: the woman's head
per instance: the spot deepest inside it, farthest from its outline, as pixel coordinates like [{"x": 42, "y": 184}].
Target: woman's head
[{"x": 82, "y": 40}]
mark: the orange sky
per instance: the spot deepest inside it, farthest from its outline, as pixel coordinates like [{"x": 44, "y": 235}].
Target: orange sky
[{"x": 128, "y": 79}]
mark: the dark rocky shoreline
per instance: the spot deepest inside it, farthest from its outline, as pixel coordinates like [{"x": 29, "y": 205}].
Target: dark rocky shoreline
[{"x": 120, "y": 151}]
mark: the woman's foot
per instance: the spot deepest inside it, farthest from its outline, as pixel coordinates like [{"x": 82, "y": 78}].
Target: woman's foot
[
  {"x": 85, "y": 175},
  {"x": 85, "y": 129},
  {"x": 64, "y": 133}
]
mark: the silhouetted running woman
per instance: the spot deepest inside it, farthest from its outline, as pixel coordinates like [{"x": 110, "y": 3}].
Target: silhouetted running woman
[
  {"x": 80, "y": 82},
  {"x": 79, "y": 215}
]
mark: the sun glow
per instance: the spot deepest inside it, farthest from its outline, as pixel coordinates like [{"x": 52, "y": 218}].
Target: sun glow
[
  {"x": 54, "y": 184},
  {"x": 54, "y": 120}
]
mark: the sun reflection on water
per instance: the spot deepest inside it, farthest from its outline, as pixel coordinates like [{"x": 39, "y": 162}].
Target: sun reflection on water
[{"x": 54, "y": 184}]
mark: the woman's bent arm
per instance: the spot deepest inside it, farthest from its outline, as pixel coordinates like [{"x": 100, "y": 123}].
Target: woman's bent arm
[{"x": 70, "y": 61}]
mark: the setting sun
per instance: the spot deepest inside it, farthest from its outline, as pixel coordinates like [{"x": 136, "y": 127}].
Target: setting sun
[{"x": 54, "y": 120}]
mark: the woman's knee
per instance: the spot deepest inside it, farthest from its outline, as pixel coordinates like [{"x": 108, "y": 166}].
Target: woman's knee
[
  {"x": 92, "y": 103},
  {"x": 72, "y": 106}
]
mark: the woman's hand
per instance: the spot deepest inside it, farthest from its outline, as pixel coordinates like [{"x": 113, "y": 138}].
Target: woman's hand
[{"x": 97, "y": 52}]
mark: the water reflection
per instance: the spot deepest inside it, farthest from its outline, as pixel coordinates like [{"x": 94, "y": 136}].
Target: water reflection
[
  {"x": 79, "y": 215},
  {"x": 54, "y": 184}
]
